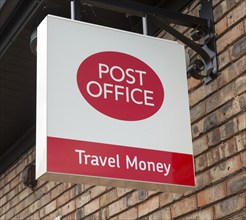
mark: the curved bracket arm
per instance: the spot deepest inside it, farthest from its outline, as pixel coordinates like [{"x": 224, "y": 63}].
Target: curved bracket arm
[{"x": 195, "y": 68}]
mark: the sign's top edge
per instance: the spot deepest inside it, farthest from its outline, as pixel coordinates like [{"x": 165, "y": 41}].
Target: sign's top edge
[{"x": 113, "y": 29}]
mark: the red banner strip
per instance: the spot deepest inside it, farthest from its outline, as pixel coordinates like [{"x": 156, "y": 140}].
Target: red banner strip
[{"x": 119, "y": 162}]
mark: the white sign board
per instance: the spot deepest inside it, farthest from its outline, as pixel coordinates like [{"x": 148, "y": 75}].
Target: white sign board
[{"x": 112, "y": 108}]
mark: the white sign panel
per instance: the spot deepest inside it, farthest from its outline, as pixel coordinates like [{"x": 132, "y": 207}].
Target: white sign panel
[{"x": 112, "y": 108}]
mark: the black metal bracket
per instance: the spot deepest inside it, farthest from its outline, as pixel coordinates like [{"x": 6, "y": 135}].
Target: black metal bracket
[
  {"x": 28, "y": 175},
  {"x": 76, "y": 10},
  {"x": 202, "y": 35}
]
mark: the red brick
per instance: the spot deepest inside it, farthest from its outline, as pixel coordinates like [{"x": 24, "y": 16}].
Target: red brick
[
  {"x": 1, "y": 181},
  {"x": 193, "y": 9},
  {"x": 9, "y": 214},
  {"x": 224, "y": 95},
  {"x": 168, "y": 197},
  {"x": 93, "y": 216},
  {"x": 34, "y": 216},
  {"x": 205, "y": 214},
  {"x": 243, "y": 158},
  {"x": 244, "y": 24},
  {"x": 235, "y": 69},
  {"x": 161, "y": 34},
  {"x": 197, "y": 129},
  {"x": 23, "y": 194},
  {"x": 113, "y": 218},
  {"x": 169, "y": 36},
  {"x": 229, "y": 206},
  {"x": 79, "y": 214},
  {"x": 148, "y": 206},
  {"x": 136, "y": 197},
  {"x": 103, "y": 213},
  {"x": 230, "y": 37},
  {"x": 241, "y": 121},
  {"x": 72, "y": 216},
  {"x": 215, "y": 2},
  {"x": 55, "y": 192},
  {"x": 5, "y": 208},
  {"x": 40, "y": 183},
  {"x": 77, "y": 190},
  {"x": 53, "y": 215},
  {"x": 13, "y": 202},
  {"x": 22, "y": 215},
  {"x": 3, "y": 200},
  {"x": 10, "y": 176},
  {"x": 228, "y": 148},
  {"x": 67, "y": 185},
  {"x": 190, "y": 191},
  {"x": 237, "y": 13},
  {"x": 229, "y": 129},
  {"x": 184, "y": 206},
  {"x": 220, "y": 10},
  {"x": 25, "y": 203},
  {"x": 50, "y": 185},
  {"x": 239, "y": 216},
  {"x": 229, "y": 109},
  {"x": 83, "y": 199},
  {"x": 181, "y": 29},
  {"x": 241, "y": 141},
  {"x": 231, "y": 4},
  {"x": 5, "y": 189},
  {"x": 67, "y": 208},
  {"x": 242, "y": 101},
  {"x": 221, "y": 26},
  {"x": 150, "y": 193},
  {"x": 123, "y": 191},
  {"x": 129, "y": 214},
  {"x": 50, "y": 207},
  {"x": 225, "y": 168},
  {"x": 210, "y": 157},
  {"x": 43, "y": 200},
  {"x": 63, "y": 198},
  {"x": 197, "y": 111},
  {"x": 97, "y": 191},
  {"x": 34, "y": 206},
  {"x": 203, "y": 180},
  {"x": 223, "y": 59},
  {"x": 200, "y": 145},
  {"x": 227, "y": 75},
  {"x": 238, "y": 49},
  {"x": 198, "y": 95},
  {"x": 211, "y": 195},
  {"x": 91, "y": 207},
  {"x": 201, "y": 162},
  {"x": 213, "y": 156},
  {"x": 214, "y": 137},
  {"x": 11, "y": 195},
  {"x": 241, "y": 84},
  {"x": 192, "y": 83},
  {"x": 117, "y": 206},
  {"x": 215, "y": 100},
  {"x": 211, "y": 121},
  {"x": 108, "y": 197},
  {"x": 161, "y": 214},
  {"x": 237, "y": 183}
]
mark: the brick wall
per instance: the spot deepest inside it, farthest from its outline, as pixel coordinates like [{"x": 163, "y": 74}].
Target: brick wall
[{"x": 218, "y": 122}]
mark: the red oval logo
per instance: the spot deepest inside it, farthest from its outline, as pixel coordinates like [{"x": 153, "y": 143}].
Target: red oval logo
[{"x": 120, "y": 86}]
